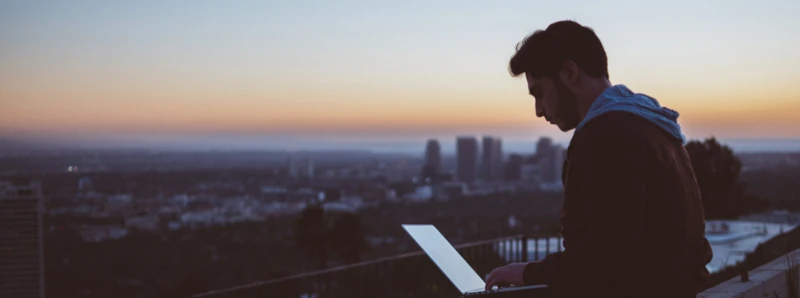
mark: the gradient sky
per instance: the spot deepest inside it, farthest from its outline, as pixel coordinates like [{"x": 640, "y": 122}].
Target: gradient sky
[{"x": 357, "y": 69}]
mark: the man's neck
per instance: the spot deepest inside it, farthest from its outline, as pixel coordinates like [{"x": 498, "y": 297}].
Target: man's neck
[{"x": 594, "y": 88}]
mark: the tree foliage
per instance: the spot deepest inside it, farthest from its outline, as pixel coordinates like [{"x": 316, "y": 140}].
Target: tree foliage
[
  {"x": 347, "y": 237},
  {"x": 717, "y": 169},
  {"x": 321, "y": 233},
  {"x": 311, "y": 233}
]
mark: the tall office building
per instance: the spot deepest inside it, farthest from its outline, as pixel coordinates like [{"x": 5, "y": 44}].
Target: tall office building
[
  {"x": 544, "y": 148},
  {"x": 21, "y": 250},
  {"x": 559, "y": 155},
  {"x": 466, "y": 159},
  {"x": 497, "y": 161},
  {"x": 513, "y": 167},
  {"x": 433, "y": 154},
  {"x": 492, "y": 162},
  {"x": 431, "y": 169},
  {"x": 551, "y": 159}
]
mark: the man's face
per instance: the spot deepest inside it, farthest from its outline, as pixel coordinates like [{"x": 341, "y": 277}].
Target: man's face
[{"x": 554, "y": 102}]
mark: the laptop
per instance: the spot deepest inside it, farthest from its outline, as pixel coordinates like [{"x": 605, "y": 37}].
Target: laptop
[{"x": 445, "y": 256}]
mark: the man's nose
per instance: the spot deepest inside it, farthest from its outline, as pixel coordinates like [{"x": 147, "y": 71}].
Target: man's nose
[{"x": 539, "y": 110}]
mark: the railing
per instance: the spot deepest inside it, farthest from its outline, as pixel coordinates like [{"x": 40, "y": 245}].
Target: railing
[
  {"x": 407, "y": 275},
  {"x": 777, "y": 278}
]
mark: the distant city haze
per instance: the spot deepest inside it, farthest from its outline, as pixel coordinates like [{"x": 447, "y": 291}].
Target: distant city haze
[
  {"x": 411, "y": 146},
  {"x": 374, "y": 75}
]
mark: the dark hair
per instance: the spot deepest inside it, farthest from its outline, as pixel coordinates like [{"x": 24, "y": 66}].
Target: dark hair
[{"x": 542, "y": 53}]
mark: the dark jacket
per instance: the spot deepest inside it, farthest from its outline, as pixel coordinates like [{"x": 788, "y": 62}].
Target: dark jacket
[{"x": 632, "y": 218}]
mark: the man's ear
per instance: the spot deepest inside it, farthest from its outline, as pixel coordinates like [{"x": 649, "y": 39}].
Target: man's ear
[{"x": 569, "y": 73}]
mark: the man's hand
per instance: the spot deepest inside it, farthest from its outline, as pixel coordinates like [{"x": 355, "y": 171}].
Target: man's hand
[{"x": 510, "y": 274}]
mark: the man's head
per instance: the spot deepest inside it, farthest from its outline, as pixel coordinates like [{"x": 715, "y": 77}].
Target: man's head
[{"x": 562, "y": 64}]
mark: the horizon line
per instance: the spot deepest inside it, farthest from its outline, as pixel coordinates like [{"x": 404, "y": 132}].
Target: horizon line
[{"x": 406, "y": 145}]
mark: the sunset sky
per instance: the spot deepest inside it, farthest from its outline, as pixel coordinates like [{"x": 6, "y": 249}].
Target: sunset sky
[{"x": 376, "y": 70}]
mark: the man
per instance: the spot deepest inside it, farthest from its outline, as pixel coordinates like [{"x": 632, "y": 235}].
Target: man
[{"x": 632, "y": 219}]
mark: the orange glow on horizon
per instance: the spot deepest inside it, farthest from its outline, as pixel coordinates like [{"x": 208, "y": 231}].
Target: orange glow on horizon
[{"x": 768, "y": 116}]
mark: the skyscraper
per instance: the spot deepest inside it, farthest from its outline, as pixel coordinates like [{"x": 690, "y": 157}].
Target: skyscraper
[
  {"x": 431, "y": 169},
  {"x": 513, "y": 167},
  {"x": 544, "y": 148},
  {"x": 21, "y": 260},
  {"x": 433, "y": 154},
  {"x": 559, "y": 155},
  {"x": 551, "y": 159},
  {"x": 466, "y": 159},
  {"x": 492, "y": 162},
  {"x": 497, "y": 161}
]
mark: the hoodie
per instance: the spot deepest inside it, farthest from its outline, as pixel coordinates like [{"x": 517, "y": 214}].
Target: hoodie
[
  {"x": 632, "y": 217},
  {"x": 619, "y": 98}
]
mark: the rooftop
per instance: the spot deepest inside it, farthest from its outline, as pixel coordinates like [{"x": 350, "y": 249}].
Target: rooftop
[{"x": 415, "y": 275}]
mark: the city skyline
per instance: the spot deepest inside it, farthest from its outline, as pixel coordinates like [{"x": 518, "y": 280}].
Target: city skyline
[
  {"x": 415, "y": 146},
  {"x": 95, "y": 72}
]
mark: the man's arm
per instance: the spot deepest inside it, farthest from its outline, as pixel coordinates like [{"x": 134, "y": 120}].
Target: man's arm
[{"x": 604, "y": 223}]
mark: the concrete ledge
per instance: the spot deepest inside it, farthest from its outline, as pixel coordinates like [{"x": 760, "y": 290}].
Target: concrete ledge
[{"x": 768, "y": 280}]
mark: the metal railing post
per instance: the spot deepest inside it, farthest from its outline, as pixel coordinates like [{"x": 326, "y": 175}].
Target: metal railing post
[
  {"x": 547, "y": 246},
  {"x": 525, "y": 248},
  {"x": 508, "y": 250}
]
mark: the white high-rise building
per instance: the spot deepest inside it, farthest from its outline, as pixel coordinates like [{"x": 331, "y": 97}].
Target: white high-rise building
[{"x": 21, "y": 244}]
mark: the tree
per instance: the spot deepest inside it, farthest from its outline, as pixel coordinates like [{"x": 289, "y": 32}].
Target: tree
[
  {"x": 59, "y": 246},
  {"x": 195, "y": 282},
  {"x": 717, "y": 170},
  {"x": 320, "y": 233},
  {"x": 311, "y": 233},
  {"x": 347, "y": 237}
]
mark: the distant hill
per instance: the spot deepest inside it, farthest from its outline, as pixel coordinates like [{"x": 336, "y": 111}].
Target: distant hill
[{"x": 17, "y": 145}]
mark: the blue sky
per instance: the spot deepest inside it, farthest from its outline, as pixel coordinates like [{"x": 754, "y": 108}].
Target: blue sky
[{"x": 376, "y": 69}]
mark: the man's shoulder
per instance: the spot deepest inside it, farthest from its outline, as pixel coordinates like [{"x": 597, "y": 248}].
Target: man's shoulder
[
  {"x": 616, "y": 135},
  {"x": 615, "y": 126}
]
